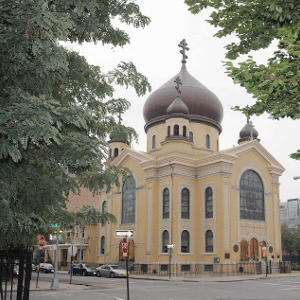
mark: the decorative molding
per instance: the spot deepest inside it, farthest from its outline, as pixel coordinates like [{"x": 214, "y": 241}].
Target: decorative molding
[
  {"x": 215, "y": 169},
  {"x": 141, "y": 187}
]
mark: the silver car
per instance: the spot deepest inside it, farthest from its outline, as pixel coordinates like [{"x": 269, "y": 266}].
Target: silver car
[{"x": 110, "y": 271}]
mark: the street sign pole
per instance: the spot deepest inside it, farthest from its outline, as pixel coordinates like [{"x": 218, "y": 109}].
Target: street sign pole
[
  {"x": 170, "y": 256},
  {"x": 55, "y": 281},
  {"x": 71, "y": 267},
  {"x": 127, "y": 271}
]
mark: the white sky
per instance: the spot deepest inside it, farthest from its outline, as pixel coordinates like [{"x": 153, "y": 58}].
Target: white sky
[{"x": 155, "y": 53}]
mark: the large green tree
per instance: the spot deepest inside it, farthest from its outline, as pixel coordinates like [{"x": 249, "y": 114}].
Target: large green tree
[
  {"x": 256, "y": 24},
  {"x": 55, "y": 109}
]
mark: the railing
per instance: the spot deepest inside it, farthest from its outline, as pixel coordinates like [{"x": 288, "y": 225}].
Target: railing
[
  {"x": 15, "y": 274},
  {"x": 197, "y": 269}
]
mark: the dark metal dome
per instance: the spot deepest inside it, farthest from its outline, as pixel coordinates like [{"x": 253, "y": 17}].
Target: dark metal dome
[
  {"x": 202, "y": 104},
  {"x": 245, "y": 133}
]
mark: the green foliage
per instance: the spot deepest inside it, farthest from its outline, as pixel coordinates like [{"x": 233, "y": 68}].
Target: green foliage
[
  {"x": 275, "y": 86},
  {"x": 288, "y": 238},
  {"x": 38, "y": 256},
  {"x": 56, "y": 109}
]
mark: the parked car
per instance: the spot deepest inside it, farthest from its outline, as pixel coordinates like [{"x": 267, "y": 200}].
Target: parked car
[
  {"x": 46, "y": 268},
  {"x": 33, "y": 267},
  {"x": 83, "y": 269},
  {"x": 110, "y": 271}
]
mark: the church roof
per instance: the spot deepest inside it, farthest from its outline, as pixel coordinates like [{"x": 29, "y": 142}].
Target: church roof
[{"x": 199, "y": 100}]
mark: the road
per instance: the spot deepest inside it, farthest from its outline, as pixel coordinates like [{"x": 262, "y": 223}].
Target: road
[{"x": 141, "y": 289}]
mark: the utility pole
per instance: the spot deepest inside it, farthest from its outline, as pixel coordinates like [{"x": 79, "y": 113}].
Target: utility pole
[{"x": 55, "y": 281}]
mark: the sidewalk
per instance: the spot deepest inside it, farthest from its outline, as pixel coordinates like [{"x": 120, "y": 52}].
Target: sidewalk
[{"x": 217, "y": 278}]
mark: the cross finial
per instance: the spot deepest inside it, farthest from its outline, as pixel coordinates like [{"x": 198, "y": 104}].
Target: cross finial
[
  {"x": 184, "y": 47},
  {"x": 178, "y": 83},
  {"x": 119, "y": 117},
  {"x": 247, "y": 109}
]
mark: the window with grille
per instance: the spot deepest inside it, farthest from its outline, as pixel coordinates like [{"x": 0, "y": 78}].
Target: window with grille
[
  {"x": 128, "y": 202},
  {"x": 166, "y": 204},
  {"x": 251, "y": 196},
  {"x": 208, "y": 203},
  {"x": 209, "y": 241},
  {"x": 185, "y": 204}
]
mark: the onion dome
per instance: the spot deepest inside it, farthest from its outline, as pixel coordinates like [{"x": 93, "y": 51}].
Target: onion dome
[
  {"x": 177, "y": 107},
  {"x": 202, "y": 104},
  {"x": 119, "y": 134},
  {"x": 248, "y": 132}
]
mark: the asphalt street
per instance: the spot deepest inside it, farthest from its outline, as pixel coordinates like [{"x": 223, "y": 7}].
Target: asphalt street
[{"x": 142, "y": 289}]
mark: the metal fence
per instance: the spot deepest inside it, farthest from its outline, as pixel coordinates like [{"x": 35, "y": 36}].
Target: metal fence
[
  {"x": 196, "y": 270},
  {"x": 15, "y": 274}
]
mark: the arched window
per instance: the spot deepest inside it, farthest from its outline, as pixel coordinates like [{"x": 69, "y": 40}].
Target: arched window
[
  {"x": 116, "y": 152},
  {"x": 251, "y": 196},
  {"x": 165, "y": 241},
  {"x": 185, "y": 241},
  {"x": 185, "y": 204},
  {"x": 153, "y": 142},
  {"x": 169, "y": 131},
  {"x": 208, "y": 203},
  {"x": 191, "y": 137},
  {"x": 176, "y": 130},
  {"x": 184, "y": 131},
  {"x": 207, "y": 141},
  {"x": 102, "y": 248},
  {"x": 103, "y": 210},
  {"x": 166, "y": 203},
  {"x": 128, "y": 202},
  {"x": 209, "y": 241}
]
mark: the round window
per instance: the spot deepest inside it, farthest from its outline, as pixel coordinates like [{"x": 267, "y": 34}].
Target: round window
[{"x": 235, "y": 248}]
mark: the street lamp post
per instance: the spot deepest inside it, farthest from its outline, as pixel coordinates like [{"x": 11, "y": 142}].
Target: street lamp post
[{"x": 55, "y": 281}]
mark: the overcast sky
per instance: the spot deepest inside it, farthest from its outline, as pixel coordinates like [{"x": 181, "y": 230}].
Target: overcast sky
[{"x": 155, "y": 53}]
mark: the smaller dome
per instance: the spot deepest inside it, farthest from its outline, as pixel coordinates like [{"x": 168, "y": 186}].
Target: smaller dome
[
  {"x": 177, "y": 107},
  {"x": 119, "y": 134},
  {"x": 245, "y": 133}
]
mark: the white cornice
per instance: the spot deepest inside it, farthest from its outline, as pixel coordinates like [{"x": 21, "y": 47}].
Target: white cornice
[
  {"x": 274, "y": 166},
  {"x": 130, "y": 153}
]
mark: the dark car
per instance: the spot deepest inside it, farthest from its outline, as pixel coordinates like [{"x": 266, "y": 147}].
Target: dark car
[
  {"x": 46, "y": 268},
  {"x": 83, "y": 269}
]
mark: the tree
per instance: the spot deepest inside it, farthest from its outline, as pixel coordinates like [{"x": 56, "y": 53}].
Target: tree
[
  {"x": 56, "y": 109},
  {"x": 275, "y": 86},
  {"x": 288, "y": 238}
]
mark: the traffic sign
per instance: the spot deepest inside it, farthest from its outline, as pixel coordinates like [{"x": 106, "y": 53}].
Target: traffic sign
[
  {"x": 54, "y": 225},
  {"x": 42, "y": 242},
  {"x": 52, "y": 247},
  {"x": 124, "y": 247},
  {"x": 72, "y": 250},
  {"x": 170, "y": 246},
  {"x": 123, "y": 233}
]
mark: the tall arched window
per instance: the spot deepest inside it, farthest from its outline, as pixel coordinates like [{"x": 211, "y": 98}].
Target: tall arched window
[
  {"x": 208, "y": 203},
  {"x": 166, "y": 203},
  {"x": 153, "y": 142},
  {"x": 116, "y": 152},
  {"x": 103, "y": 210},
  {"x": 102, "y": 248},
  {"x": 176, "y": 130},
  {"x": 128, "y": 202},
  {"x": 185, "y": 204},
  {"x": 185, "y": 241},
  {"x": 165, "y": 241},
  {"x": 252, "y": 204},
  {"x": 209, "y": 241},
  {"x": 191, "y": 137},
  {"x": 184, "y": 131},
  {"x": 207, "y": 141},
  {"x": 169, "y": 131}
]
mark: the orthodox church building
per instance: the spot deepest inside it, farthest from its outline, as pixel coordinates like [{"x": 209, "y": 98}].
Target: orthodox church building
[{"x": 213, "y": 205}]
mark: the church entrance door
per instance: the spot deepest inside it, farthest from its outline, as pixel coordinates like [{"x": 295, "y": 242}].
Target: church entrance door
[
  {"x": 244, "y": 250},
  {"x": 254, "y": 249}
]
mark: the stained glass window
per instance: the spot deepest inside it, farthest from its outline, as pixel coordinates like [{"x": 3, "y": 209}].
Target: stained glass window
[
  {"x": 209, "y": 241},
  {"x": 208, "y": 203},
  {"x": 165, "y": 241},
  {"x": 128, "y": 202},
  {"x": 185, "y": 204},
  {"x": 166, "y": 203},
  {"x": 185, "y": 241},
  {"x": 251, "y": 196}
]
